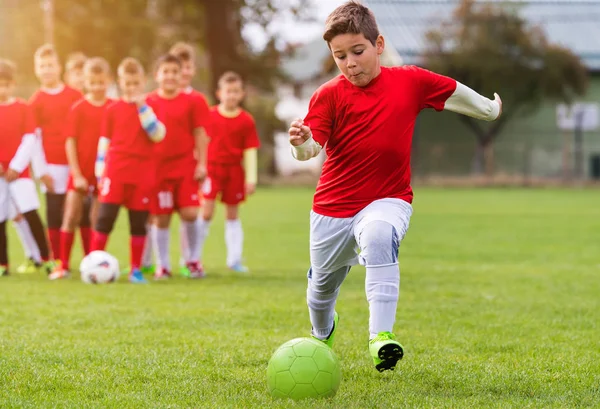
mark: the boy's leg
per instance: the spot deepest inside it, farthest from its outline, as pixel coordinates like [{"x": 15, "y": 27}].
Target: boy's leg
[
  {"x": 234, "y": 193},
  {"x": 4, "y": 210},
  {"x": 85, "y": 224},
  {"x": 149, "y": 248},
  {"x": 379, "y": 229},
  {"x": 188, "y": 202},
  {"x": 73, "y": 214},
  {"x": 55, "y": 203},
  {"x": 107, "y": 215},
  {"x": 332, "y": 253},
  {"x": 137, "y": 230},
  {"x": 203, "y": 225},
  {"x": 32, "y": 252}
]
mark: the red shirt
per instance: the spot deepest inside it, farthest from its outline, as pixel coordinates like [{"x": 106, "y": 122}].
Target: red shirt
[
  {"x": 367, "y": 135},
  {"x": 229, "y": 137},
  {"x": 16, "y": 120},
  {"x": 130, "y": 153},
  {"x": 181, "y": 116},
  {"x": 50, "y": 112},
  {"x": 84, "y": 123}
]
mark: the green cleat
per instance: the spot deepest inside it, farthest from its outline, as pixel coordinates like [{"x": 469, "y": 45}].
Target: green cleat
[
  {"x": 386, "y": 351},
  {"x": 28, "y": 267},
  {"x": 4, "y": 271},
  {"x": 331, "y": 338},
  {"x": 184, "y": 271},
  {"x": 151, "y": 269}
]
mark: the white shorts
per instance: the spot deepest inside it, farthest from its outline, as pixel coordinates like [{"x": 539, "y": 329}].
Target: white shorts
[
  {"x": 60, "y": 175},
  {"x": 17, "y": 197},
  {"x": 334, "y": 241}
]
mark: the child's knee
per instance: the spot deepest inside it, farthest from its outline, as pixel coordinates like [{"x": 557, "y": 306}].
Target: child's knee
[{"x": 379, "y": 243}]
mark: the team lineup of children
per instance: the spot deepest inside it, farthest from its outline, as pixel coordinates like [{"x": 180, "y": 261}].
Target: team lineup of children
[{"x": 153, "y": 153}]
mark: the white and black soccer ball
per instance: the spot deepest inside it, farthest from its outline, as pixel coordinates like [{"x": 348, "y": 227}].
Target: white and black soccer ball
[{"x": 99, "y": 267}]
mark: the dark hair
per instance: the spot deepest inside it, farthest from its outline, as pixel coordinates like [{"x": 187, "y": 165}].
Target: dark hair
[
  {"x": 351, "y": 18},
  {"x": 47, "y": 50},
  {"x": 230, "y": 77},
  {"x": 167, "y": 59},
  {"x": 130, "y": 66},
  {"x": 184, "y": 51},
  {"x": 75, "y": 61},
  {"x": 7, "y": 70},
  {"x": 96, "y": 65}
]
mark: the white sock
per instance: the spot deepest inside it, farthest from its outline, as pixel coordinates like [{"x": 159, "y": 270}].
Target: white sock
[
  {"x": 161, "y": 239},
  {"x": 234, "y": 238},
  {"x": 190, "y": 230},
  {"x": 202, "y": 227},
  {"x": 321, "y": 295},
  {"x": 382, "y": 285},
  {"x": 184, "y": 244},
  {"x": 148, "y": 253},
  {"x": 30, "y": 247}
]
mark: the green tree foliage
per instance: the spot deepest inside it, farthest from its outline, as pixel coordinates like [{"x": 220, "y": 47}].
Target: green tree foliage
[{"x": 492, "y": 49}]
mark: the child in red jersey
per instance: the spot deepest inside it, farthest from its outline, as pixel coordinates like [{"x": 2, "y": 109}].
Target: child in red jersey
[
  {"x": 364, "y": 118},
  {"x": 17, "y": 191},
  {"x": 51, "y": 105},
  {"x": 187, "y": 56},
  {"x": 83, "y": 133},
  {"x": 181, "y": 161},
  {"x": 74, "y": 72},
  {"x": 232, "y": 171},
  {"x": 124, "y": 163}
]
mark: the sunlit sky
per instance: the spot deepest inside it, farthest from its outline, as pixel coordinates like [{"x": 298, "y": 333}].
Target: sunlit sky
[{"x": 290, "y": 30}]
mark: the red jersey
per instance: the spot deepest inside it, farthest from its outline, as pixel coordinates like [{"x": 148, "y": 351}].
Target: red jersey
[
  {"x": 367, "y": 135},
  {"x": 129, "y": 156},
  {"x": 84, "y": 123},
  {"x": 50, "y": 111},
  {"x": 181, "y": 116},
  {"x": 229, "y": 137},
  {"x": 16, "y": 120}
]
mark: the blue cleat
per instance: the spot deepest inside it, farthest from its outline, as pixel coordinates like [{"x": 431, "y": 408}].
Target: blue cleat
[
  {"x": 136, "y": 277},
  {"x": 239, "y": 268}
]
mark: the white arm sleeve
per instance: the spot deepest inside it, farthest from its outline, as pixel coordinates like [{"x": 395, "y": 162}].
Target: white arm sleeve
[
  {"x": 24, "y": 153},
  {"x": 468, "y": 102},
  {"x": 309, "y": 149},
  {"x": 38, "y": 158}
]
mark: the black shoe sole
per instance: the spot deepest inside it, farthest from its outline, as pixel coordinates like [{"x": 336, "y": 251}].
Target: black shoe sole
[{"x": 389, "y": 354}]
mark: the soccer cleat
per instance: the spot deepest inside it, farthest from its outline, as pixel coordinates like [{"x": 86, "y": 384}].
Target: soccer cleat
[
  {"x": 162, "y": 274},
  {"x": 59, "y": 273},
  {"x": 4, "y": 271},
  {"x": 151, "y": 269},
  {"x": 196, "y": 270},
  {"x": 136, "y": 277},
  {"x": 386, "y": 351},
  {"x": 239, "y": 268},
  {"x": 185, "y": 270},
  {"x": 28, "y": 267},
  {"x": 49, "y": 266},
  {"x": 331, "y": 338}
]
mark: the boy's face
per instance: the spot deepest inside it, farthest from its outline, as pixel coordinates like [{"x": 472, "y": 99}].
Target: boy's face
[
  {"x": 168, "y": 77},
  {"x": 231, "y": 94},
  {"x": 356, "y": 57},
  {"x": 6, "y": 89},
  {"x": 132, "y": 85},
  {"x": 47, "y": 69},
  {"x": 96, "y": 84},
  {"x": 75, "y": 79},
  {"x": 188, "y": 71}
]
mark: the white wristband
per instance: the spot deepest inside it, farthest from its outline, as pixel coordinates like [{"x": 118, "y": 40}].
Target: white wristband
[{"x": 309, "y": 149}]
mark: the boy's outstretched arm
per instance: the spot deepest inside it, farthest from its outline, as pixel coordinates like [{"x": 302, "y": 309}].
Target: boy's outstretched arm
[
  {"x": 468, "y": 102},
  {"x": 304, "y": 146}
]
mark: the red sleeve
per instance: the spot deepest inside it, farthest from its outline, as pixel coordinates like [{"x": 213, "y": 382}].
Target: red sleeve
[
  {"x": 34, "y": 103},
  {"x": 71, "y": 125},
  {"x": 107, "y": 124},
  {"x": 251, "y": 139},
  {"x": 435, "y": 89},
  {"x": 201, "y": 113},
  {"x": 320, "y": 115},
  {"x": 29, "y": 124}
]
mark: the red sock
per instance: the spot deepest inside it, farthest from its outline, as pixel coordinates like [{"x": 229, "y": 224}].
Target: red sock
[
  {"x": 86, "y": 239},
  {"x": 137, "y": 248},
  {"x": 54, "y": 236},
  {"x": 99, "y": 241},
  {"x": 66, "y": 244}
]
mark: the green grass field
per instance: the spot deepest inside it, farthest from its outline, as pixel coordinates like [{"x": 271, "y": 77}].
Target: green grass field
[{"x": 499, "y": 308}]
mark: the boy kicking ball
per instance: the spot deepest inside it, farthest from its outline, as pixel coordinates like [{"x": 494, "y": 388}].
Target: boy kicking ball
[{"x": 364, "y": 118}]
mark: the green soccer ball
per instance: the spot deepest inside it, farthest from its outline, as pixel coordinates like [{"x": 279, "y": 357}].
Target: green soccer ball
[{"x": 303, "y": 368}]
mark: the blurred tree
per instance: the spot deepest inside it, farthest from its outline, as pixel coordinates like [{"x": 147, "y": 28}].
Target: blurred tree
[{"x": 492, "y": 49}]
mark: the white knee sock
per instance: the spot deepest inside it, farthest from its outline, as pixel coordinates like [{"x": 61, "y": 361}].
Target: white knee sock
[
  {"x": 30, "y": 247},
  {"x": 148, "y": 253},
  {"x": 234, "y": 238},
  {"x": 161, "y": 239},
  {"x": 184, "y": 244},
  {"x": 321, "y": 295},
  {"x": 189, "y": 230},
  {"x": 382, "y": 285},
  {"x": 202, "y": 227}
]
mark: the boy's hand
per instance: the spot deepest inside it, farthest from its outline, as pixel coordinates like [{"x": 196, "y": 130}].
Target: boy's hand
[
  {"x": 48, "y": 182},
  {"x": 80, "y": 183},
  {"x": 200, "y": 173},
  {"x": 299, "y": 133},
  {"x": 11, "y": 175},
  {"x": 499, "y": 101},
  {"x": 139, "y": 100},
  {"x": 250, "y": 188}
]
